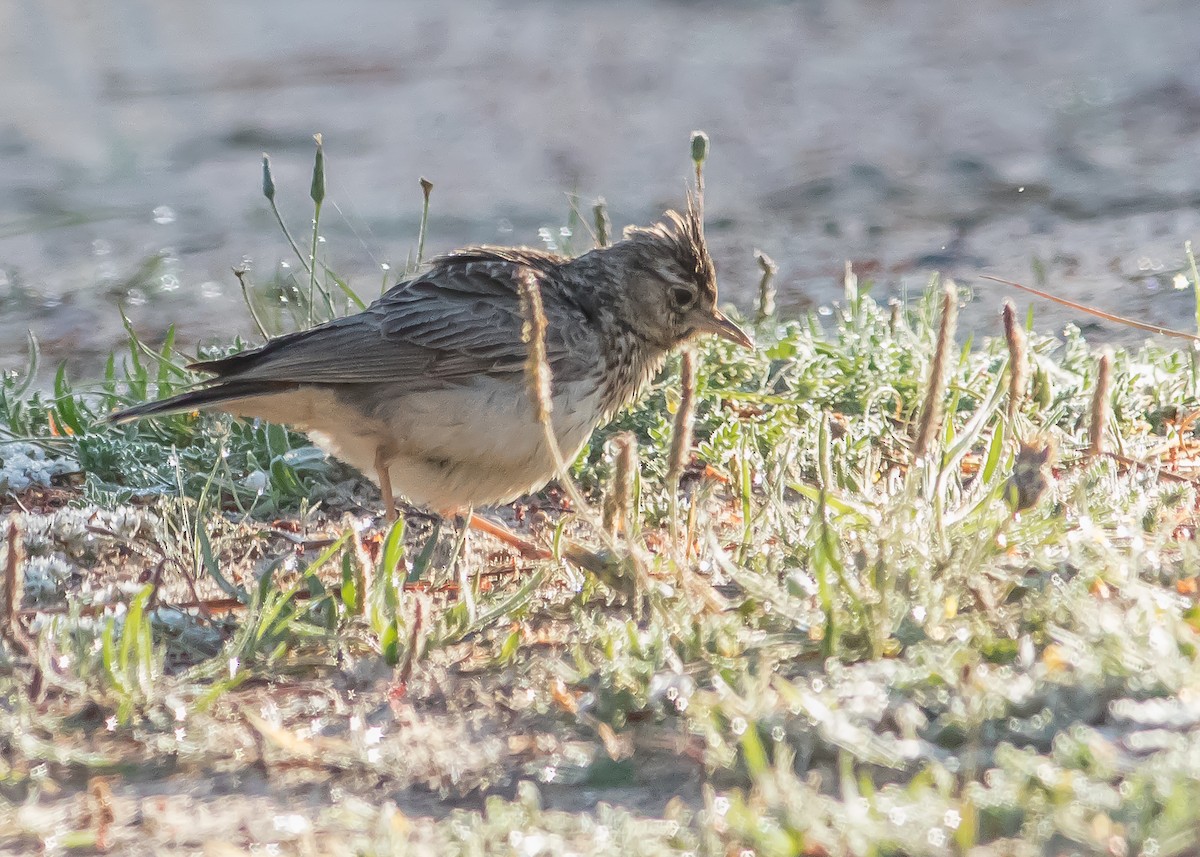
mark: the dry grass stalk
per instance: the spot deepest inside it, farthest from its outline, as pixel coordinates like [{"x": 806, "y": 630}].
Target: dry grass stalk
[
  {"x": 930, "y": 422},
  {"x": 681, "y": 435},
  {"x": 13, "y": 579},
  {"x": 537, "y": 368},
  {"x": 602, "y": 223},
  {"x": 100, "y": 810},
  {"x": 537, "y": 379},
  {"x": 766, "y": 285},
  {"x": 416, "y": 643},
  {"x": 619, "y": 501},
  {"x": 1100, "y": 406},
  {"x": 12, "y": 631},
  {"x": 1018, "y": 359}
]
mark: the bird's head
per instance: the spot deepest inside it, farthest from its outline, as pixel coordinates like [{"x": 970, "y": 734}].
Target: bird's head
[{"x": 671, "y": 295}]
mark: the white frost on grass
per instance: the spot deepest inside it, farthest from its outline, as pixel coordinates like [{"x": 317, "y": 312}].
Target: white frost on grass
[
  {"x": 58, "y": 544},
  {"x": 75, "y": 531},
  {"x": 23, "y": 465},
  {"x": 45, "y": 578}
]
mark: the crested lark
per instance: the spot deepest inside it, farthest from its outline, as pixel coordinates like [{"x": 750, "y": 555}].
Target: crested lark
[{"x": 425, "y": 390}]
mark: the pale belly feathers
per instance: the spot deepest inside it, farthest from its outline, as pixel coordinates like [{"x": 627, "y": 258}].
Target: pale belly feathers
[{"x": 475, "y": 445}]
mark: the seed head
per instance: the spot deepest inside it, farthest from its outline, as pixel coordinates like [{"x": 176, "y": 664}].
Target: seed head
[
  {"x": 620, "y": 494},
  {"x": 1018, "y": 360},
  {"x": 766, "y": 287},
  {"x": 533, "y": 332},
  {"x": 1032, "y": 473},
  {"x": 318, "y": 177},
  {"x": 268, "y": 181},
  {"x": 931, "y": 409},
  {"x": 1100, "y": 406},
  {"x": 699, "y": 147},
  {"x": 601, "y": 221}
]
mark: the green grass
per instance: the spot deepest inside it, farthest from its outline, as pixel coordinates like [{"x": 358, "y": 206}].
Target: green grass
[{"x": 848, "y": 652}]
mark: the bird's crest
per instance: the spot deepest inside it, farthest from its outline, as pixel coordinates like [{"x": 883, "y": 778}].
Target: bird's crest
[{"x": 683, "y": 237}]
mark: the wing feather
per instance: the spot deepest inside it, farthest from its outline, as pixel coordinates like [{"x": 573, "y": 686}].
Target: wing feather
[{"x": 460, "y": 320}]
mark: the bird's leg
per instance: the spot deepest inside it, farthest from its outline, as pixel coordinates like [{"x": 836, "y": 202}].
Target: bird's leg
[
  {"x": 572, "y": 553},
  {"x": 385, "y": 486},
  {"x": 503, "y": 534}
]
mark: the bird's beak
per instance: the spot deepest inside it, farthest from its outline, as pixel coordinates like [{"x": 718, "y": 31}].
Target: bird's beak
[{"x": 719, "y": 325}]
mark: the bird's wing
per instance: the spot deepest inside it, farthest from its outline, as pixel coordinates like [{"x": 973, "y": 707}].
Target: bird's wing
[{"x": 460, "y": 320}]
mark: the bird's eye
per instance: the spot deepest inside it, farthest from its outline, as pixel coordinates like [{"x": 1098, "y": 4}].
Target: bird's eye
[{"x": 681, "y": 297}]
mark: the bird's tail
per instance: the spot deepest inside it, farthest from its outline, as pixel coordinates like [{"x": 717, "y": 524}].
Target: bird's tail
[{"x": 197, "y": 400}]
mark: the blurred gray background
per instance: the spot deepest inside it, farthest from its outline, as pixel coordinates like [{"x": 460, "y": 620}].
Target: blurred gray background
[{"x": 904, "y": 135}]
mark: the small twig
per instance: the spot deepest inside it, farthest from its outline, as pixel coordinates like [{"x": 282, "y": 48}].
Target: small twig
[
  {"x": 205, "y": 607},
  {"x": 1168, "y": 475},
  {"x": 1107, "y": 316}
]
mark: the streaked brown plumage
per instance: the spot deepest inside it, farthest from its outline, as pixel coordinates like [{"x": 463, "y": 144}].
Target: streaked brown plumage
[{"x": 425, "y": 389}]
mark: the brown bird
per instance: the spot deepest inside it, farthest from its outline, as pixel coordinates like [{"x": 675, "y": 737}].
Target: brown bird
[{"x": 425, "y": 389}]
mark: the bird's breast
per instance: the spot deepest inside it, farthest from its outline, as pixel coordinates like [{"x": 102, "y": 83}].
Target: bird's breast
[
  {"x": 629, "y": 367},
  {"x": 481, "y": 444}
]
